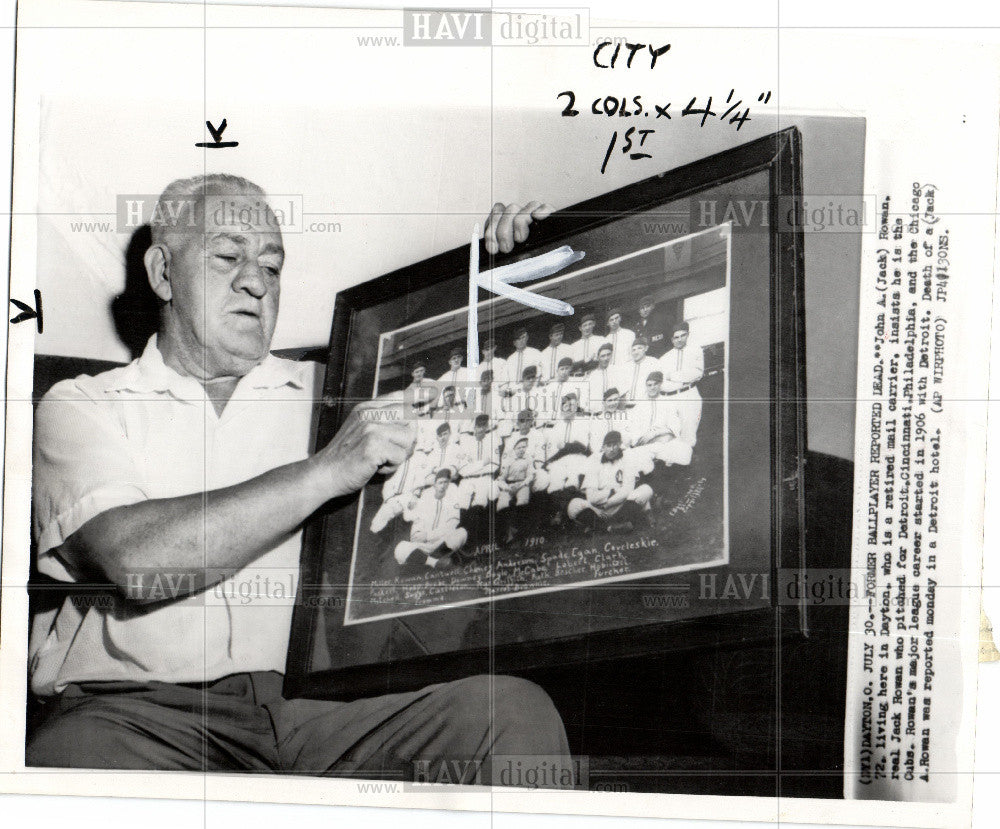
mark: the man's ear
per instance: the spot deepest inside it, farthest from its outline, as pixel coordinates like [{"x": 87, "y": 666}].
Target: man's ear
[{"x": 157, "y": 261}]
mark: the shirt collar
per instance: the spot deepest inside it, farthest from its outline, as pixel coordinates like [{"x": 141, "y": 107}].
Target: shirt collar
[{"x": 150, "y": 374}]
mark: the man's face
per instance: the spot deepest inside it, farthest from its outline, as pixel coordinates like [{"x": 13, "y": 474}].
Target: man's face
[
  {"x": 225, "y": 283},
  {"x": 614, "y": 321},
  {"x": 527, "y": 384},
  {"x": 524, "y": 426},
  {"x": 604, "y": 358},
  {"x": 486, "y": 381},
  {"x": 638, "y": 351},
  {"x": 562, "y": 373},
  {"x": 449, "y": 397},
  {"x": 645, "y": 311},
  {"x": 521, "y": 342},
  {"x": 586, "y": 328},
  {"x": 611, "y": 403},
  {"x": 555, "y": 337},
  {"x": 680, "y": 339},
  {"x": 443, "y": 438},
  {"x": 479, "y": 431},
  {"x": 455, "y": 361},
  {"x": 611, "y": 451},
  {"x": 570, "y": 407},
  {"x": 418, "y": 374},
  {"x": 440, "y": 485},
  {"x": 488, "y": 353},
  {"x": 519, "y": 449},
  {"x": 653, "y": 388}
]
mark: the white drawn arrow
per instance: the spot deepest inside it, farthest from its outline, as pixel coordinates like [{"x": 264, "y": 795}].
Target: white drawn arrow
[{"x": 500, "y": 281}]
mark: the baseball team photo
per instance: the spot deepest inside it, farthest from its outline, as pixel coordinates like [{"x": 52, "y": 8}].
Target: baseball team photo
[{"x": 580, "y": 450}]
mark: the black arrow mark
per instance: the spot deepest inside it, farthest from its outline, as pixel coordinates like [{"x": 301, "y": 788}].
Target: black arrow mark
[
  {"x": 29, "y": 313},
  {"x": 217, "y": 142}
]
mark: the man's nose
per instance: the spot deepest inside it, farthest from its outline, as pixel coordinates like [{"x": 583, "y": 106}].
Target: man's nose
[{"x": 251, "y": 279}]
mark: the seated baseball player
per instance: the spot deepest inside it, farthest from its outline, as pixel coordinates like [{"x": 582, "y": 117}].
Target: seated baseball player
[
  {"x": 196, "y": 460},
  {"x": 408, "y": 479},
  {"x": 446, "y": 453},
  {"x": 517, "y": 473},
  {"x": 538, "y": 447},
  {"x": 612, "y": 417},
  {"x": 489, "y": 361},
  {"x": 569, "y": 446},
  {"x": 655, "y": 426},
  {"x": 449, "y": 405},
  {"x": 610, "y": 489},
  {"x": 481, "y": 451},
  {"x": 434, "y": 516}
]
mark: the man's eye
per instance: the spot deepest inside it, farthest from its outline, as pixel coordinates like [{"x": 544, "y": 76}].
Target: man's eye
[
  {"x": 225, "y": 257},
  {"x": 272, "y": 271}
]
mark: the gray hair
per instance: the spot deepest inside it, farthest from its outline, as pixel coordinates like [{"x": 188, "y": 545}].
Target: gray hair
[{"x": 178, "y": 203}]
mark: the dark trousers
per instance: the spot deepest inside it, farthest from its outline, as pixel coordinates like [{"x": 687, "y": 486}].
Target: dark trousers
[{"x": 242, "y": 723}]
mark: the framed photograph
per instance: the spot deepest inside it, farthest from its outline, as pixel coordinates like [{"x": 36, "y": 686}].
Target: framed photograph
[{"x": 600, "y": 481}]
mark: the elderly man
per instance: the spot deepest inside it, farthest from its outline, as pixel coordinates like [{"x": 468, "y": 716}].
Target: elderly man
[{"x": 192, "y": 465}]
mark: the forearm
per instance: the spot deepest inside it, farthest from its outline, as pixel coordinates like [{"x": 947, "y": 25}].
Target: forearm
[{"x": 204, "y": 536}]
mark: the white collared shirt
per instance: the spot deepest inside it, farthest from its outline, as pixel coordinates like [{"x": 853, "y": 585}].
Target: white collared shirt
[{"x": 142, "y": 432}]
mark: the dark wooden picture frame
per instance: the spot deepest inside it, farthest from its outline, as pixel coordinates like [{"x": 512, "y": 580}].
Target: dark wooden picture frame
[{"x": 737, "y": 602}]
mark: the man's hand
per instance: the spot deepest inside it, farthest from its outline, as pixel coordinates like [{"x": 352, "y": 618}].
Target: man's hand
[
  {"x": 508, "y": 223},
  {"x": 376, "y": 437}
]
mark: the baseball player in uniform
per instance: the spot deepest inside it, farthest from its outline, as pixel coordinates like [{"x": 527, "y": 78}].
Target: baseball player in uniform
[
  {"x": 559, "y": 387},
  {"x": 538, "y": 446},
  {"x": 631, "y": 377},
  {"x": 613, "y": 417},
  {"x": 481, "y": 453},
  {"x": 490, "y": 362},
  {"x": 490, "y": 402},
  {"x": 609, "y": 486},
  {"x": 421, "y": 392},
  {"x": 435, "y": 519},
  {"x": 602, "y": 378},
  {"x": 528, "y": 394},
  {"x": 683, "y": 367},
  {"x": 445, "y": 454},
  {"x": 516, "y": 475},
  {"x": 457, "y": 374},
  {"x": 554, "y": 352},
  {"x": 522, "y": 357},
  {"x": 621, "y": 339},
  {"x": 569, "y": 446},
  {"x": 656, "y": 427},
  {"x": 584, "y": 352},
  {"x": 399, "y": 488}
]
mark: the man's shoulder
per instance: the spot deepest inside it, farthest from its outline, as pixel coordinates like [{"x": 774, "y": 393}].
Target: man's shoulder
[{"x": 86, "y": 387}]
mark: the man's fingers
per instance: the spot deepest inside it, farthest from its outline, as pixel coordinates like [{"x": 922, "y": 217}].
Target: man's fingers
[
  {"x": 490, "y": 233},
  {"x": 540, "y": 211},
  {"x": 505, "y": 228}
]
